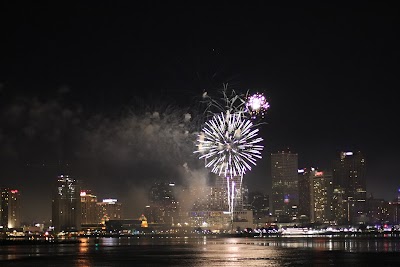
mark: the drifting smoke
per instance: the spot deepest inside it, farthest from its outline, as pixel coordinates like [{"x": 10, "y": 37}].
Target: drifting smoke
[
  {"x": 197, "y": 187},
  {"x": 115, "y": 156},
  {"x": 152, "y": 144}
]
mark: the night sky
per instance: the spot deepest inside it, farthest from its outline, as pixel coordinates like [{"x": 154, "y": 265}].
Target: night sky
[{"x": 100, "y": 90}]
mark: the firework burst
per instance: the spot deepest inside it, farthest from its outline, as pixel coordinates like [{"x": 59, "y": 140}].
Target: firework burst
[
  {"x": 229, "y": 144},
  {"x": 256, "y": 105}
]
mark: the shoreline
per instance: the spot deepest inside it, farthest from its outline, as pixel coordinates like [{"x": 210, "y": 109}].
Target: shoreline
[{"x": 79, "y": 239}]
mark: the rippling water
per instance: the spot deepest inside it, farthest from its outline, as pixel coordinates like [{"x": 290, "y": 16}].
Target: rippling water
[{"x": 208, "y": 251}]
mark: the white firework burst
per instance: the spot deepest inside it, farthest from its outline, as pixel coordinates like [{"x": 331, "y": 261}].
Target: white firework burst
[{"x": 230, "y": 144}]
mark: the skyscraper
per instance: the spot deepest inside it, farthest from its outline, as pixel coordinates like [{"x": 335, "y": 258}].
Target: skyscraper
[
  {"x": 304, "y": 207},
  {"x": 394, "y": 209},
  {"x": 240, "y": 192},
  {"x": 321, "y": 196},
  {"x": 164, "y": 207},
  {"x": 349, "y": 175},
  {"x": 284, "y": 172},
  {"x": 14, "y": 209},
  {"x": 10, "y": 209},
  {"x": 259, "y": 204},
  {"x": 89, "y": 208},
  {"x": 66, "y": 202}
]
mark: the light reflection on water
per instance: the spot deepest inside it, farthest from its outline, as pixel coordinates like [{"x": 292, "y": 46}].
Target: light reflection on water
[
  {"x": 203, "y": 251},
  {"x": 338, "y": 243}
]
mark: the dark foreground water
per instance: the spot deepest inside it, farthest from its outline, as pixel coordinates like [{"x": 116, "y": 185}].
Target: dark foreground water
[{"x": 207, "y": 251}]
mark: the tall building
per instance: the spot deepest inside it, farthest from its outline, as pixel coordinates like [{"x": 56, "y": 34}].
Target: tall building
[
  {"x": 321, "y": 190},
  {"x": 109, "y": 209},
  {"x": 163, "y": 206},
  {"x": 284, "y": 172},
  {"x": 217, "y": 199},
  {"x": 349, "y": 176},
  {"x": 4, "y": 207},
  {"x": 377, "y": 211},
  {"x": 10, "y": 209},
  {"x": 240, "y": 196},
  {"x": 66, "y": 202},
  {"x": 14, "y": 209},
  {"x": 89, "y": 208},
  {"x": 304, "y": 207},
  {"x": 394, "y": 209},
  {"x": 339, "y": 206},
  {"x": 259, "y": 204}
]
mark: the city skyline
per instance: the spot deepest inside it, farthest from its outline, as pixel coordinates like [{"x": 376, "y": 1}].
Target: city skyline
[
  {"x": 134, "y": 209},
  {"x": 98, "y": 91}
]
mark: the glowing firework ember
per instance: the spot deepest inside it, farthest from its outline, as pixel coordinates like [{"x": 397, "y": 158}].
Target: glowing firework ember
[
  {"x": 228, "y": 142},
  {"x": 257, "y": 105}
]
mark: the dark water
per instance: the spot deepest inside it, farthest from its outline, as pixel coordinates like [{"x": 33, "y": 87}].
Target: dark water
[{"x": 208, "y": 251}]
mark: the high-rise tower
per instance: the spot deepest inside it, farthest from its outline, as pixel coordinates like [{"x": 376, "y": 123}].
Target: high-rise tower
[
  {"x": 239, "y": 195},
  {"x": 10, "y": 209},
  {"x": 321, "y": 192},
  {"x": 349, "y": 176},
  {"x": 304, "y": 184},
  {"x": 163, "y": 208},
  {"x": 89, "y": 207},
  {"x": 66, "y": 212},
  {"x": 284, "y": 172}
]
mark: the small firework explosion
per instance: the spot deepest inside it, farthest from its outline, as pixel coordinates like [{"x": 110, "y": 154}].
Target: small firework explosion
[{"x": 257, "y": 105}]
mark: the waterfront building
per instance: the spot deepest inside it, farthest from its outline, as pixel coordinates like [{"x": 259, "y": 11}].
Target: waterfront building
[
  {"x": 216, "y": 200},
  {"x": 321, "y": 190},
  {"x": 349, "y": 175},
  {"x": 304, "y": 207},
  {"x": 109, "y": 209},
  {"x": 285, "y": 196},
  {"x": 10, "y": 209},
  {"x": 259, "y": 204},
  {"x": 163, "y": 206},
  {"x": 240, "y": 196},
  {"x": 339, "y": 206},
  {"x": 394, "y": 210},
  {"x": 66, "y": 205},
  {"x": 377, "y": 211},
  {"x": 89, "y": 207}
]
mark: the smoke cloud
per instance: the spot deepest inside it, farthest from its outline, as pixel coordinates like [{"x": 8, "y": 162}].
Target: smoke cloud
[{"x": 116, "y": 156}]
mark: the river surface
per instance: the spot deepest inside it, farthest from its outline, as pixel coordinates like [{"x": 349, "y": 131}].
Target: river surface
[{"x": 207, "y": 251}]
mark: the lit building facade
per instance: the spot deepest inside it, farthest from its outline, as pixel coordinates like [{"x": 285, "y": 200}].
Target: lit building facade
[
  {"x": 377, "y": 211},
  {"x": 259, "y": 204},
  {"x": 10, "y": 209},
  {"x": 339, "y": 206},
  {"x": 394, "y": 210},
  {"x": 14, "y": 209},
  {"x": 284, "y": 172},
  {"x": 349, "y": 176},
  {"x": 109, "y": 209},
  {"x": 240, "y": 196},
  {"x": 89, "y": 208},
  {"x": 163, "y": 206},
  {"x": 304, "y": 207},
  {"x": 66, "y": 205},
  {"x": 321, "y": 189}
]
